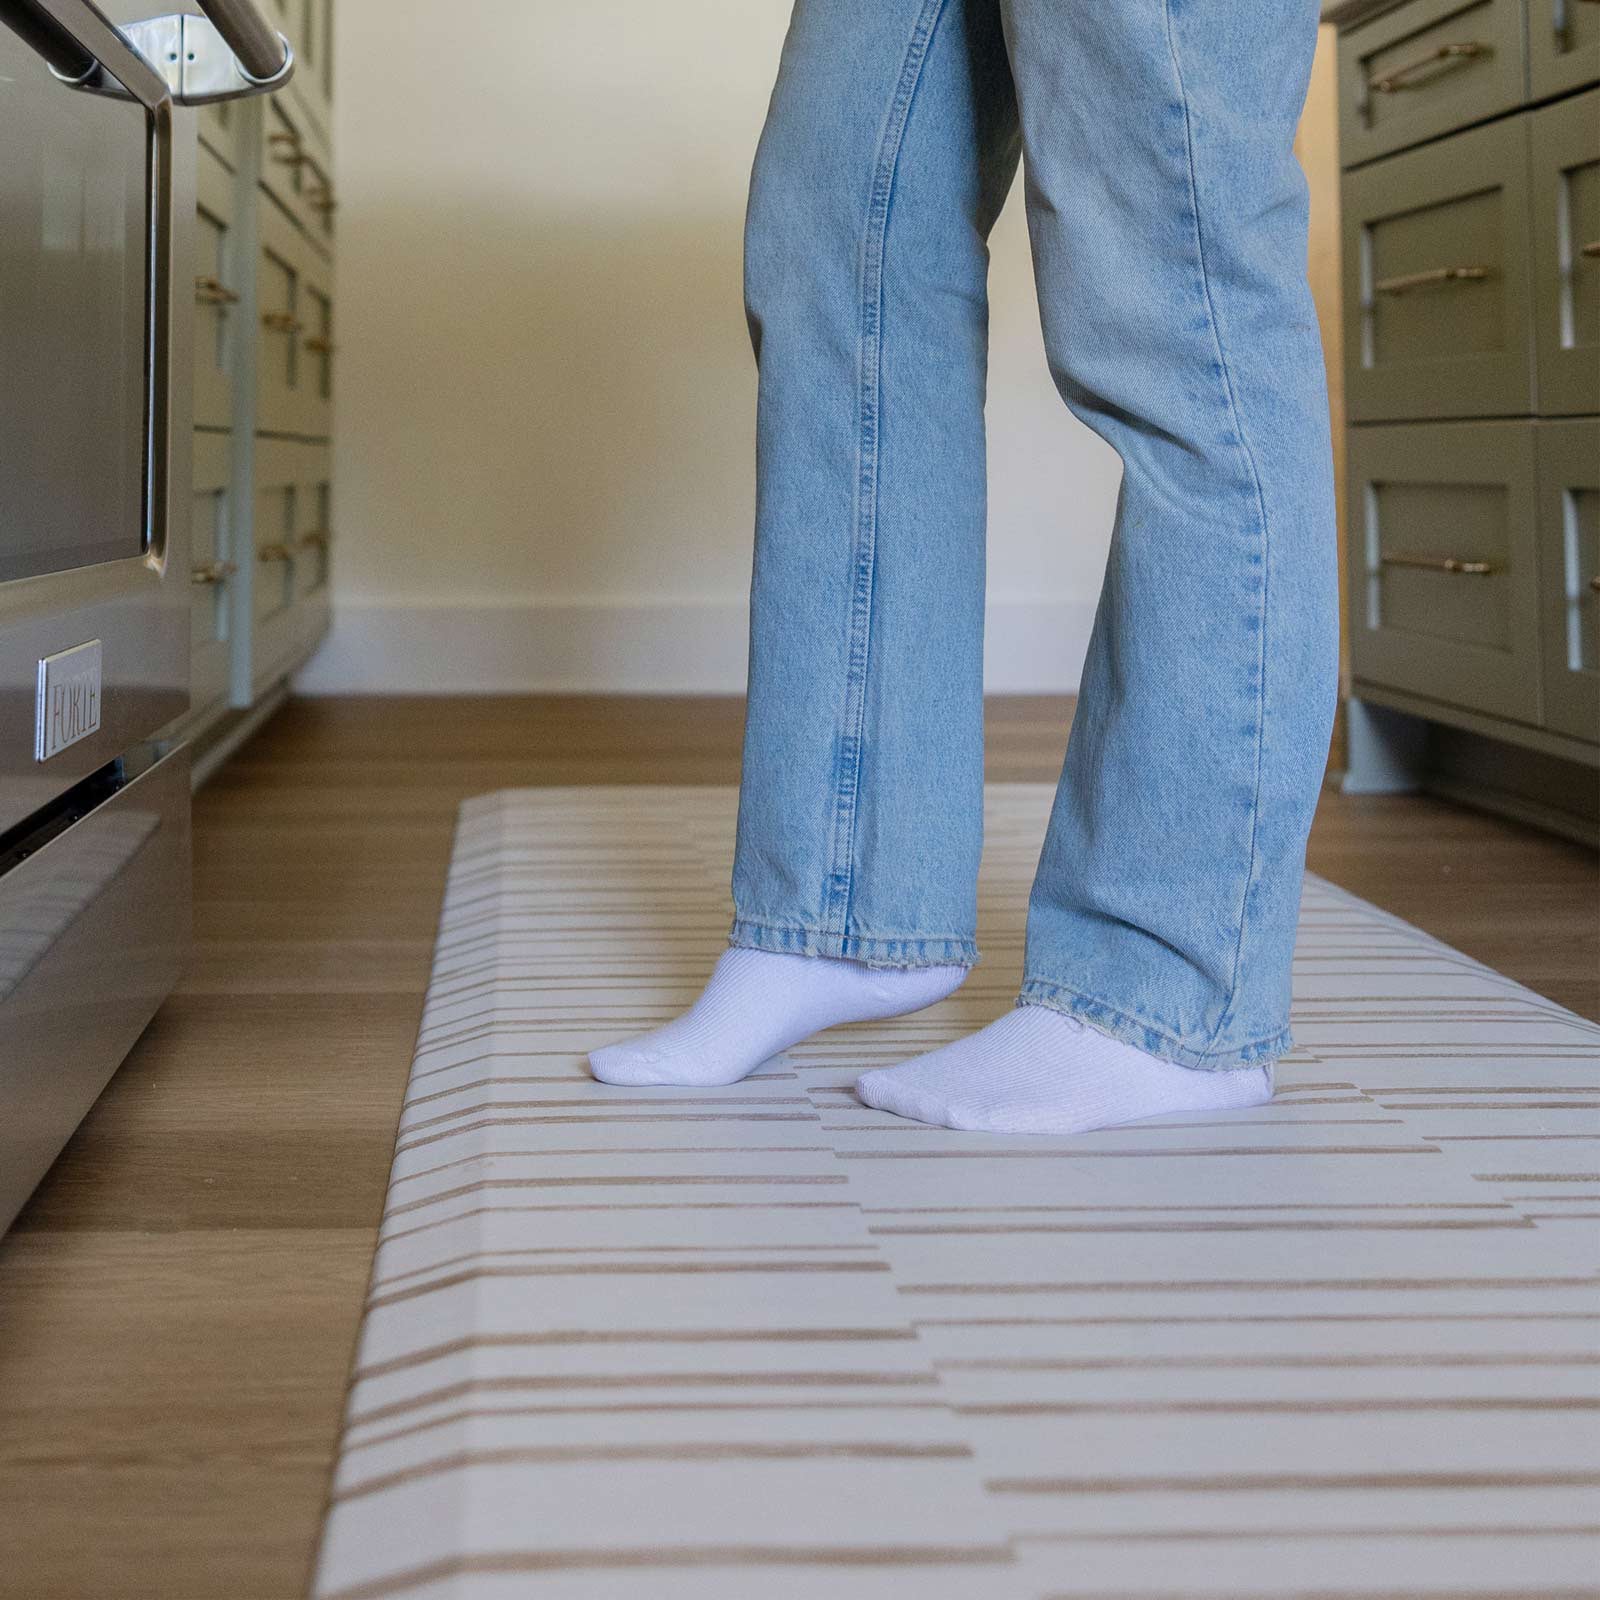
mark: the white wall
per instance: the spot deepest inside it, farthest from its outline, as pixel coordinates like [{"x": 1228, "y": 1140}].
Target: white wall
[{"x": 544, "y": 462}]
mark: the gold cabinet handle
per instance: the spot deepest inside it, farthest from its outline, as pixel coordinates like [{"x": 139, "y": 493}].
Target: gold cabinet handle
[
  {"x": 1590, "y": 249},
  {"x": 213, "y": 292},
  {"x": 1423, "y": 280},
  {"x": 281, "y": 321},
  {"x": 213, "y": 572},
  {"x": 274, "y": 552},
  {"x": 1465, "y": 569},
  {"x": 1405, "y": 77},
  {"x": 1594, "y": 583},
  {"x": 321, "y": 346},
  {"x": 316, "y": 539}
]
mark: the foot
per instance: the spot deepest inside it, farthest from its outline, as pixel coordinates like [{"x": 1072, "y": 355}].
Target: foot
[
  {"x": 759, "y": 1003},
  {"x": 1040, "y": 1071}
]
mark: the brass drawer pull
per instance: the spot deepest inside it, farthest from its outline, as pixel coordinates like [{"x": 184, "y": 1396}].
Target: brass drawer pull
[
  {"x": 1590, "y": 249},
  {"x": 1423, "y": 280},
  {"x": 281, "y": 321},
  {"x": 213, "y": 292},
  {"x": 1594, "y": 583},
  {"x": 322, "y": 347},
  {"x": 1405, "y": 77},
  {"x": 274, "y": 552},
  {"x": 1466, "y": 569},
  {"x": 213, "y": 572},
  {"x": 316, "y": 539}
]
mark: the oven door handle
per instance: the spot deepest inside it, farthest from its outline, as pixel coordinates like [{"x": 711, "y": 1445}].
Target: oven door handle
[
  {"x": 84, "y": 51},
  {"x": 227, "y": 54},
  {"x": 262, "y": 52},
  {"x": 64, "y": 52}
]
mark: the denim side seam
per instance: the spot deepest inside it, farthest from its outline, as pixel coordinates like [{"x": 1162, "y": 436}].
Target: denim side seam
[
  {"x": 847, "y": 790},
  {"x": 1143, "y": 1035},
  {"x": 1249, "y": 456},
  {"x": 912, "y": 950}
]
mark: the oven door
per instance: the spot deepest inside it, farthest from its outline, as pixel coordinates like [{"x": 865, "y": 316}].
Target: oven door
[{"x": 95, "y": 191}]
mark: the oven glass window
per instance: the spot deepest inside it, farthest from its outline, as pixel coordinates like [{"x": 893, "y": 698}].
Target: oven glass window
[{"x": 74, "y": 244}]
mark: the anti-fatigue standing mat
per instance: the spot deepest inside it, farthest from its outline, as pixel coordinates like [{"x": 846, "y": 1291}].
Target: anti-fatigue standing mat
[{"x": 648, "y": 1344}]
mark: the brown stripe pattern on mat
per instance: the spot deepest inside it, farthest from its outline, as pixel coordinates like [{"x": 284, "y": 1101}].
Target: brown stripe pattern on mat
[{"x": 631, "y": 1343}]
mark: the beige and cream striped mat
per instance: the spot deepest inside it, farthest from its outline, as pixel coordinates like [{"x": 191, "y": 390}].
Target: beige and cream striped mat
[{"x": 759, "y": 1343}]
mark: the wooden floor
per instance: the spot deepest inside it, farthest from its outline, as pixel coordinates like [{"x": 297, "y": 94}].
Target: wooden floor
[{"x": 168, "y": 1409}]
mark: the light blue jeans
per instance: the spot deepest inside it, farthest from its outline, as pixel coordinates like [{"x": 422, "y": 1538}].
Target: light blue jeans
[{"x": 1168, "y": 221}]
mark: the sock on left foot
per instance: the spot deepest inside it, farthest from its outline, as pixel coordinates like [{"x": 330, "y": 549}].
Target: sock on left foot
[{"x": 1037, "y": 1070}]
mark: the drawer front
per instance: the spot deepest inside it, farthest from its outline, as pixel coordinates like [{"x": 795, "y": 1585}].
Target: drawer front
[
  {"x": 1437, "y": 320},
  {"x": 296, "y": 171},
  {"x": 291, "y": 565},
  {"x": 1563, "y": 45},
  {"x": 1443, "y": 587},
  {"x": 314, "y": 552},
  {"x": 1569, "y": 570},
  {"x": 216, "y": 292},
  {"x": 214, "y": 559},
  {"x": 308, "y": 26},
  {"x": 1425, "y": 69},
  {"x": 1565, "y": 178},
  {"x": 294, "y": 359},
  {"x": 94, "y": 932},
  {"x": 312, "y": 84}
]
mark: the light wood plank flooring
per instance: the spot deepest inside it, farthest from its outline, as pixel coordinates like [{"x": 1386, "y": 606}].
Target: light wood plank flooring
[{"x": 179, "y": 1300}]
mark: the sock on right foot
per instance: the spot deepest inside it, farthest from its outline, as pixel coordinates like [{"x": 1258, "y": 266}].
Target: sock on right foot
[{"x": 759, "y": 1003}]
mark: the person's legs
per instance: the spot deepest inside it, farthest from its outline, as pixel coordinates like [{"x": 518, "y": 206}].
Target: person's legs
[
  {"x": 1168, "y": 218},
  {"x": 889, "y": 147}
]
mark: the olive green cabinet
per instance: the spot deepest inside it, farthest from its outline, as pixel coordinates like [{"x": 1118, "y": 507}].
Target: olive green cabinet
[
  {"x": 1563, "y": 46},
  {"x": 1470, "y": 141},
  {"x": 1425, "y": 68},
  {"x": 1443, "y": 563},
  {"x": 1438, "y": 309},
  {"x": 1565, "y": 196},
  {"x": 1569, "y": 563}
]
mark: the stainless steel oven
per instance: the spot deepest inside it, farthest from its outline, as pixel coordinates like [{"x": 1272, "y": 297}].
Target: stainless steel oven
[{"x": 96, "y": 305}]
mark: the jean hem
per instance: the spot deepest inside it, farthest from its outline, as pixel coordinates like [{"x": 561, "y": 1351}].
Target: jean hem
[
  {"x": 936, "y": 950},
  {"x": 1146, "y": 1036}
]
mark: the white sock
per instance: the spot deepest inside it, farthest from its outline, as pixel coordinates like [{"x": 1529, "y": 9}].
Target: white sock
[
  {"x": 1039, "y": 1071},
  {"x": 759, "y": 1003}
]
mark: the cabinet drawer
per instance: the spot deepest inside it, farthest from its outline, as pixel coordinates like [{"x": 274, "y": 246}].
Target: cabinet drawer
[
  {"x": 1569, "y": 570},
  {"x": 1443, "y": 590},
  {"x": 1437, "y": 320},
  {"x": 295, "y": 172},
  {"x": 312, "y": 84},
  {"x": 291, "y": 556},
  {"x": 1425, "y": 69},
  {"x": 294, "y": 358},
  {"x": 216, "y": 292},
  {"x": 1565, "y": 179},
  {"x": 314, "y": 553},
  {"x": 95, "y": 929},
  {"x": 214, "y": 560},
  {"x": 1563, "y": 45}
]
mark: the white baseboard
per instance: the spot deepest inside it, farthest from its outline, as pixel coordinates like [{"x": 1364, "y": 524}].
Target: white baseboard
[{"x": 659, "y": 647}]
